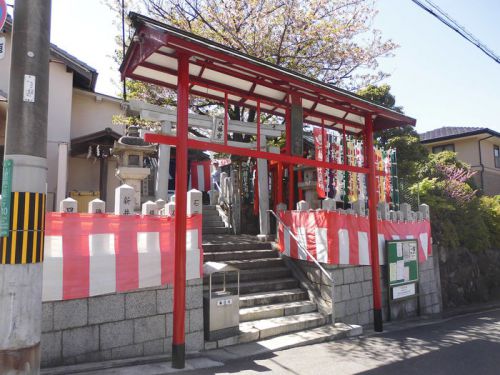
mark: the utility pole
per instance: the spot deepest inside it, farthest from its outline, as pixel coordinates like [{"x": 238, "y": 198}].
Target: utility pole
[{"x": 26, "y": 150}]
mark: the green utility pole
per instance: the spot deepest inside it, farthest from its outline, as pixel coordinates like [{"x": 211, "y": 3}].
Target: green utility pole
[{"x": 21, "y": 249}]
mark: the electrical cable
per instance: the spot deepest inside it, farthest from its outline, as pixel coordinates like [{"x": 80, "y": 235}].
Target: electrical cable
[{"x": 454, "y": 25}]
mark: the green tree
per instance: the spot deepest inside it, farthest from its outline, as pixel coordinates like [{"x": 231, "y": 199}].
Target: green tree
[
  {"x": 405, "y": 140},
  {"x": 330, "y": 40}
]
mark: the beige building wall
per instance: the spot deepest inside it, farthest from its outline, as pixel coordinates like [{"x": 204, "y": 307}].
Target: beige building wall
[
  {"x": 92, "y": 112},
  {"x": 5, "y": 64},
  {"x": 467, "y": 150}
]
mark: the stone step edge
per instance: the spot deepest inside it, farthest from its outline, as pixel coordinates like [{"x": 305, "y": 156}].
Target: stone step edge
[
  {"x": 276, "y": 310},
  {"x": 316, "y": 335}
]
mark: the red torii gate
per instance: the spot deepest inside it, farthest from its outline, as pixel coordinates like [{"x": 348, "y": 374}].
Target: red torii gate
[{"x": 169, "y": 57}]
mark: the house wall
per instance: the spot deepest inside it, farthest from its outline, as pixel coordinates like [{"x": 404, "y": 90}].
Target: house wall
[
  {"x": 59, "y": 122},
  {"x": 83, "y": 175},
  {"x": 468, "y": 151},
  {"x": 92, "y": 113},
  {"x": 5, "y": 64}
]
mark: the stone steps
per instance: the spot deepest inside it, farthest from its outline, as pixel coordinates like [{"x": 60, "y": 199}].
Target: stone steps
[
  {"x": 216, "y": 247},
  {"x": 252, "y": 274},
  {"x": 272, "y": 297},
  {"x": 255, "y": 263},
  {"x": 215, "y": 230},
  {"x": 239, "y": 255},
  {"x": 212, "y": 224},
  {"x": 271, "y": 302},
  {"x": 265, "y": 328},
  {"x": 260, "y": 286},
  {"x": 276, "y": 310}
]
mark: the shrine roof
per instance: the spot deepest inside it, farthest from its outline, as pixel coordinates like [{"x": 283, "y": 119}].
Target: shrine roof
[{"x": 216, "y": 70}]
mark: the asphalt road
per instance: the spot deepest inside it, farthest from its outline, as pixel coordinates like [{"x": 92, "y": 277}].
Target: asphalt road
[{"x": 462, "y": 345}]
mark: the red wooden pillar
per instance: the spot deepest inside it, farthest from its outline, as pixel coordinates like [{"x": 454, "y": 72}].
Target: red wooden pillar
[
  {"x": 300, "y": 179},
  {"x": 372, "y": 206},
  {"x": 291, "y": 183},
  {"x": 178, "y": 339}
]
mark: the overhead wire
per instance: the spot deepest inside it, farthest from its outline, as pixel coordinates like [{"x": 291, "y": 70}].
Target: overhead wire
[{"x": 454, "y": 25}]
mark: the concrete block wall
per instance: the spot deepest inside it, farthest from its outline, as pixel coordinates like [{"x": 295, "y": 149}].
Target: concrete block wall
[
  {"x": 353, "y": 291},
  {"x": 116, "y": 326}
]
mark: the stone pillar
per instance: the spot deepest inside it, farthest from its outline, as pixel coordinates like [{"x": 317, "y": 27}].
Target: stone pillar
[
  {"x": 236, "y": 200},
  {"x": 172, "y": 198},
  {"x": 263, "y": 185},
  {"x": 383, "y": 208},
  {"x": 359, "y": 207},
  {"x": 68, "y": 205},
  {"x": 393, "y": 215},
  {"x": 160, "y": 204},
  {"x": 124, "y": 200},
  {"x": 424, "y": 209},
  {"x": 302, "y": 206},
  {"x": 62, "y": 171},
  {"x": 222, "y": 185},
  {"x": 328, "y": 204},
  {"x": 405, "y": 208},
  {"x": 162, "y": 174},
  {"x": 193, "y": 265},
  {"x": 149, "y": 208},
  {"x": 194, "y": 202},
  {"x": 213, "y": 196},
  {"x": 97, "y": 206},
  {"x": 170, "y": 209}
]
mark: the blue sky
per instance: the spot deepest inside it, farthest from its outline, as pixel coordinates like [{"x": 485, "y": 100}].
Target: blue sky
[{"x": 437, "y": 76}]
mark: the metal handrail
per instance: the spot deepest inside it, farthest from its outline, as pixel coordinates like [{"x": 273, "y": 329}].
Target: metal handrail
[{"x": 303, "y": 248}]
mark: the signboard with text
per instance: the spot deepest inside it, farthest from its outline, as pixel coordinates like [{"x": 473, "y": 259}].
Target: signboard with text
[
  {"x": 6, "y": 198},
  {"x": 402, "y": 261}
]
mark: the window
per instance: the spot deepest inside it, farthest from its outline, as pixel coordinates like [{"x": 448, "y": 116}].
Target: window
[
  {"x": 441, "y": 148},
  {"x": 496, "y": 156}
]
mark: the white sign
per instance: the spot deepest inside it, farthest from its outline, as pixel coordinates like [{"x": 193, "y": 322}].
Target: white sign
[
  {"x": 403, "y": 291},
  {"x": 29, "y": 88},
  {"x": 2, "y": 47}
]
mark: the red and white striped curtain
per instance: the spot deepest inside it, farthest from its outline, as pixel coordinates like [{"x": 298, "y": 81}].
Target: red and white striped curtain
[{"x": 200, "y": 175}]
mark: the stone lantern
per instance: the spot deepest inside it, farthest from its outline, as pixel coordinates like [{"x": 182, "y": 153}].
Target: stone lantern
[{"x": 130, "y": 151}]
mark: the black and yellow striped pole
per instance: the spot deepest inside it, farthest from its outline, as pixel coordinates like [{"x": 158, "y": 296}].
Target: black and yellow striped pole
[
  {"x": 24, "y": 244},
  {"x": 22, "y": 214}
]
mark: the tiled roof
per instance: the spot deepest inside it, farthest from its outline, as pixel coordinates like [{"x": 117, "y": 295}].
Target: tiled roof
[{"x": 447, "y": 132}]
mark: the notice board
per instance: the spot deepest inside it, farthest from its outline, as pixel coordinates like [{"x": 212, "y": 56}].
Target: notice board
[{"x": 402, "y": 260}]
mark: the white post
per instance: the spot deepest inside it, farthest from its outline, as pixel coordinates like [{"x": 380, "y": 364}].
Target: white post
[
  {"x": 149, "y": 208},
  {"x": 424, "y": 209},
  {"x": 194, "y": 206},
  {"x": 68, "y": 205},
  {"x": 162, "y": 174},
  {"x": 329, "y": 204},
  {"x": 383, "y": 208},
  {"x": 170, "y": 209},
  {"x": 405, "y": 208},
  {"x": 263, "y": 185},
  {"x": 97, "y": 206},
  {"x": 124, "y": 200},
  {"x": 160, "y": 203},
  {"x": 303, "y": 206},
  {"x": 359, "y": 207},
  {"x": 194, "y": 202},
  {"x": 62, "y": 171}
]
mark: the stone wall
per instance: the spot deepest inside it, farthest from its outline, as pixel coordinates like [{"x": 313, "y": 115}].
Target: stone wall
[
  {"x": 353, "y": 291},
  {"x": 121, "y": 325}
]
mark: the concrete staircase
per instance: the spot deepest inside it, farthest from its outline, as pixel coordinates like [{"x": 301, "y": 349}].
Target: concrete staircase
[
  {"x": 212, "y": 222},
  {"x": 271, "y": 302}
]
